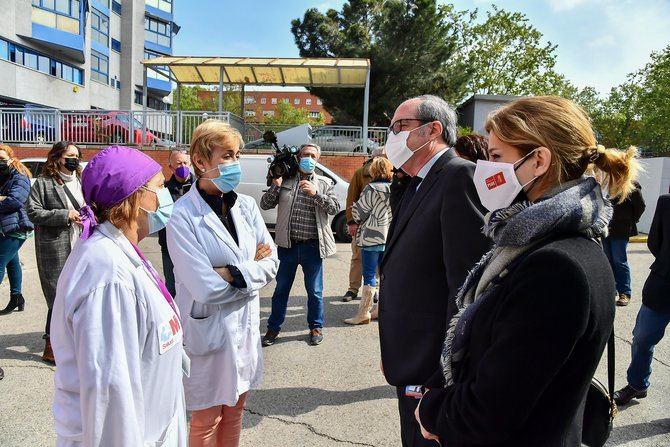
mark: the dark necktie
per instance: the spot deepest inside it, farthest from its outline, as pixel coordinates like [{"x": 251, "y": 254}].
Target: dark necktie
[{"x": 408, "y": 196}]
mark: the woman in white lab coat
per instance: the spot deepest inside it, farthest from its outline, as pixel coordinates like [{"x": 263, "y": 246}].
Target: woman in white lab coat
[
  {"x": 223, "y": 255},
  {"x": 115, "y": 329}
]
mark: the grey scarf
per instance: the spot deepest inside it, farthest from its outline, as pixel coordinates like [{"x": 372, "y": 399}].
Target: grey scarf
[{"x": 576, "y": 207}]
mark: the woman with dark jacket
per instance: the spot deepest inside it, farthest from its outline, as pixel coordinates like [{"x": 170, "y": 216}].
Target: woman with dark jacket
[
  {"x": 55, "y": 200},
  {"x": 14, "y": 224},
  {"x": 623, "y": 225},
  {"x": 536, "y": 311}
]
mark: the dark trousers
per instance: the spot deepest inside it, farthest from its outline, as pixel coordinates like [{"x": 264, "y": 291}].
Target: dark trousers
[
  {"x": 410, "y": 432},
  {"x": 615, "y": 250},
  {"x": 9, "y": 260},
  {"x": 168, "y": 271},
  {"x": 649, "y": 329}
]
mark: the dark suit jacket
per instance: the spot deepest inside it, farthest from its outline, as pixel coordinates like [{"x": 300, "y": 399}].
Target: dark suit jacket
[
  {"x": 430, "y": 249},
  {"x": 535, "y": 345},
  {"x": 655, "y": 292}
]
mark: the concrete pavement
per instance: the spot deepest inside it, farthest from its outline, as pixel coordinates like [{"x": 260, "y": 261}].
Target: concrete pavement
[{"x": 329, "y": 395}]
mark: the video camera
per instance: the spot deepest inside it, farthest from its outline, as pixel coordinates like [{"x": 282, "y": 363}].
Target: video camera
[{"x": 284, "y": 163}]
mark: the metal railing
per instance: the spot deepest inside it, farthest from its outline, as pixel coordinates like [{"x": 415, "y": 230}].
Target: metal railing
[
  {"x": 99, "y": 127},
  {"x": 172, "y": 128}
]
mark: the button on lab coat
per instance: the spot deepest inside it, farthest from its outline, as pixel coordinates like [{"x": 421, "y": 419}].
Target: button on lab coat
[
  {"x": 221, "y": 323},
  {"x": 118, "y": 346}
]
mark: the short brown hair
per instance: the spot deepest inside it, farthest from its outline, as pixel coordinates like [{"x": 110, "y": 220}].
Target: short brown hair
[
  {"x": 211, "y": 134},
  {"x": 380, "y": 167},
  {"x": 564, "y": 128},
  {"x": 472, "y": 147}
]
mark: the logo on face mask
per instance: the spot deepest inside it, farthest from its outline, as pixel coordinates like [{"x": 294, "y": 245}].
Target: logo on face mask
[{"x": 495, "y": 180}]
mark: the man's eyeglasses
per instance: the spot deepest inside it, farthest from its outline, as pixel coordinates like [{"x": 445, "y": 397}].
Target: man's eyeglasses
[{"x": 397, "y": 126}]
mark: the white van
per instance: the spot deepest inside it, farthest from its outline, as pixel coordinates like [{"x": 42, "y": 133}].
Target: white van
[{"x": 254, "y": 184}]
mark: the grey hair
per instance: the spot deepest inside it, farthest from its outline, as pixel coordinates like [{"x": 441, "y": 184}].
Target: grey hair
[
  {"x": 177, "y": 151},
  {"x": 433, "y": 108},
  {"x": 315, "y": 146}
]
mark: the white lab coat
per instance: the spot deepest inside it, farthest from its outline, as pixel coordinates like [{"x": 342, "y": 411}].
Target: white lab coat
[
  {"x": 118, "y": 347},
  {"x": 221, "y": 323}
]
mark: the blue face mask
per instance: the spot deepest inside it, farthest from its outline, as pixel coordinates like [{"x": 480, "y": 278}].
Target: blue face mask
[
  {"x": 159, "y": 218},
  {"x": 229, "y": 177},
  {"x": 307, "y": 165}
]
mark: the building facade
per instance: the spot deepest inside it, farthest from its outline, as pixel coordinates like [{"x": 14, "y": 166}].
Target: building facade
[{"x": 80, "y": 54}]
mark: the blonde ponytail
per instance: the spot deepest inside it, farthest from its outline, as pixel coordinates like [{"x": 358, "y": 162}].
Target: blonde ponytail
[{"x": 619, "y": 170}]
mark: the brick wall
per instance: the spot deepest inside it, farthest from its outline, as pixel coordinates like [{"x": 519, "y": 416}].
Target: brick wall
[{"x": 342, "y": 165}]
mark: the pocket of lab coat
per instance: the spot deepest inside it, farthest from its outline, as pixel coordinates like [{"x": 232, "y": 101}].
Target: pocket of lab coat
[
  {"x": 170, "y": 437},
  {"x": 205, "y": 335}
]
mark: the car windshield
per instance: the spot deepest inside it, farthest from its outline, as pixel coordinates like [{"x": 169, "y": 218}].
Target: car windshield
[{"x": 124, "y": 119}]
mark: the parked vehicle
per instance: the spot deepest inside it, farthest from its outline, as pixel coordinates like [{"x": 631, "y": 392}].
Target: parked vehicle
[
  {"x": 254, "y": 172},
  {"x": 109, "y": 127},
  {"x": 341, "y": 140},
  {"x": 28, "y": 123}
]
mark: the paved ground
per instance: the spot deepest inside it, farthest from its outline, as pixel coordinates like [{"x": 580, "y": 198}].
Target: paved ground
[{"x": 330, "y": 395}]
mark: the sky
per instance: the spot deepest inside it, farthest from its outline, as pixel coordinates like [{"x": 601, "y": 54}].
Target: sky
[{"x": 599, "y": 41}]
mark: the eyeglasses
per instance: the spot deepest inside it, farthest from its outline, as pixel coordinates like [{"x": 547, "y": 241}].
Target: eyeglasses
[{"x": 397, "y": 126}]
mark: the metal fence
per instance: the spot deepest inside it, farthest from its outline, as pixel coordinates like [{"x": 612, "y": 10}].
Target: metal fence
[{"x": 32, "y": 125}]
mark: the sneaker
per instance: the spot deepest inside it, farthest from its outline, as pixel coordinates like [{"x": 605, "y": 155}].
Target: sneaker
[
  {"x": 623, "y": 300},
  {"x": 349, "y": 296},
  {"x": 315, "y": 336},
  {"x": 628, "y": 393},
  {"x": 269, "y": 338}
]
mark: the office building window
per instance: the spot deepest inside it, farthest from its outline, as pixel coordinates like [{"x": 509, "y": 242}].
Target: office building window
[
  {"x": 116, "y": 7},
  {"x": 116, "y": 45},
  {"x": 31, "y": 59},
  {"x": 308, "y": 101},
  {"x": 269, "y": 113},
  {"x": 314, "y": 114},
  {"x": 296, "y": 101},
  {"x": 264, "y": 100},
  {"x": 273, "y": 100},
  {"x": 99, "y": 67},
  {"x": 249, "y": 113},
  {"x": 157, "y": 31},
  {"x": 163, "y": 73},
  {"x": 249, "y": 100},
  {"x": 285, "y": 100},
  {"x": 319, "y": 102},
  {"x": 60, "y": 14},
  {"x": 163, "y": 5},
  {"x": 99, "y": 27},
  {"x": 152, "y": 102}
]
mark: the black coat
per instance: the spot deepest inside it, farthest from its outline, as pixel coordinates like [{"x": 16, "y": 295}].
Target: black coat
[
  {"x": 626, "y": 215},
  {"x": 177, "y": 190},
  {"x": 535, "y": 346},
  {"x": 430, "y": 249},
  {"x": 655, "y": 292}
]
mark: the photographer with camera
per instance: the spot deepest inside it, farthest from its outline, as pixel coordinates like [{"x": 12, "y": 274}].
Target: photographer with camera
[{"x": 304, "y": 238}]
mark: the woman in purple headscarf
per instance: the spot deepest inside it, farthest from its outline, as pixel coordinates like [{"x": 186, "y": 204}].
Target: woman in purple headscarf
[{"x": 115, "y": 331}]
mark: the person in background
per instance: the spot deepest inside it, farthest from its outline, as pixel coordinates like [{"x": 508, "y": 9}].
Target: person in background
[
  {"x": 15, "y": 227},
  {"x": 536, "y": 312},
  {"x": 623, "y": 225},
  {"x": 372, "y": 216},
  {"x": 398, "y": 186},
  {"x": 179, "y": 184},
  {"x": 654, "y": 315},
  {"x": 435, "y": 238},
  {"x": 304, "y": 237},
  {"x": 115, "y": 329},
  {"x": 53, "y": 207},
  {"x": 223, "y": 256},
  {"x": 472, "y": 147},
  {"x": 359, "y": 181}
]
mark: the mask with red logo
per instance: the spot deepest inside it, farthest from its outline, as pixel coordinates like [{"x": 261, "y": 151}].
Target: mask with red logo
[{"x": 497, "y": 184}]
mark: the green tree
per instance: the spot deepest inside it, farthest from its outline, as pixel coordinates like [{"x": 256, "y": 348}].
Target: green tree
[
  {"x": 202, "y": 99},
  {"x": 507, "y": 56},
  {"x": 411, "y": 45},
  {"x": 287, "y": 114},
  {"x": 652, "y": 89}
]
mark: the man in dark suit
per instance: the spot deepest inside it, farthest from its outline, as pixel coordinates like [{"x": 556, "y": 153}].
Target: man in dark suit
[{"x": 434, "y": 240}]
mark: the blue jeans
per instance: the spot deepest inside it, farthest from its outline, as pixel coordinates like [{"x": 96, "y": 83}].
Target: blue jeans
[
  {"x": 371, "y": 260},
  {"x": 649, "y": 329},
  {"x": 308, "y": 256},
  {"x": 9, "y": 259},
  {"x": 168, "y": 271},
  {"x": 615, "y": 250}
]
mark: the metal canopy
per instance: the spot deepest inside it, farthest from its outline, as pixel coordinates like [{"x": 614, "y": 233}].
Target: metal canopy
[{"x": 309, "y": 72}]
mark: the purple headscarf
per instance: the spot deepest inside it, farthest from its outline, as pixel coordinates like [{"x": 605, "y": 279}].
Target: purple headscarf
[{"x": 112, "y": 176}]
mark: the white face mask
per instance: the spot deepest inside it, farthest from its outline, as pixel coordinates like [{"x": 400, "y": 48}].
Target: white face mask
[
  {"x": 496, "y": 183},
  {"x": 396, "y": 147}
]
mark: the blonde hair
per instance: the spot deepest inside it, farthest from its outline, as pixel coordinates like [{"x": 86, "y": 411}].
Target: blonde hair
[
  {"x": 380, "y": 167},
  {"x": 564, "y": 128},
  {"x": 210, "y": 135},
  {"x": 122, "y": 214},
  {"x": 16, "y": 164}
]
